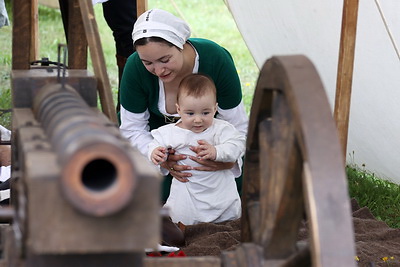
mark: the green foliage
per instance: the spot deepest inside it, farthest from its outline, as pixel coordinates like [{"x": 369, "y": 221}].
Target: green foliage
[
  {"x": 5, "y": 66},
  {"x": 51, "y": 32},
  {"x": 5, "y": 108},
  {"x": 5, "y": 91},
  {"x": 382, "y": 197}
]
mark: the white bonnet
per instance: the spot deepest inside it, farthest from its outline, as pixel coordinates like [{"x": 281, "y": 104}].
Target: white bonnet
[{"x": 160, "y": 23}]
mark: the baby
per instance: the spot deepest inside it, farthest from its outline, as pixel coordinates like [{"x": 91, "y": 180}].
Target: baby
[{"x": 207, "y": 196}]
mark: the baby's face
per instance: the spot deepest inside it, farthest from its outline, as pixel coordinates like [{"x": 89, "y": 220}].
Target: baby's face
[{"x": 197, "y": 113}]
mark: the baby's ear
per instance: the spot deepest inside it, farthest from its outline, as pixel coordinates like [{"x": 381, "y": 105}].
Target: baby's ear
[{"x": 178, "y": 109}]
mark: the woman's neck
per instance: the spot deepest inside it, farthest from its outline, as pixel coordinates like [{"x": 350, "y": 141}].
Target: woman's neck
[
  {"x": 171, "y": 88},
  {"x": 189, "y": 56}
]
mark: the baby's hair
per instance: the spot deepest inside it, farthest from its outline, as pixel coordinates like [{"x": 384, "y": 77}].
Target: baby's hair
[{"x": 196, "y": 85}]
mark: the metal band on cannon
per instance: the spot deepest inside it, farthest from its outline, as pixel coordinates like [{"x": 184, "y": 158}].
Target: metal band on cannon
[{"x": 97, "y": 176}]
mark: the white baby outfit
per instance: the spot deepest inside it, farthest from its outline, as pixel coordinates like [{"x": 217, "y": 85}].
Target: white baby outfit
[{"x": 209, "y": 196}]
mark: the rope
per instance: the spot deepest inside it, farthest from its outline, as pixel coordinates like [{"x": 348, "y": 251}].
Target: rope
[{"x": 387, "y": 28}]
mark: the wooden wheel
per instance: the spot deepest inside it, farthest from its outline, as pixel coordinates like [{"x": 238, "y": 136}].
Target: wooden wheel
[{"x": 294, "y": 166}]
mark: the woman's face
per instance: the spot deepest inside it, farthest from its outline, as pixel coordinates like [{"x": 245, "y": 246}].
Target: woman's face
[{"x": 161, "y": 60}]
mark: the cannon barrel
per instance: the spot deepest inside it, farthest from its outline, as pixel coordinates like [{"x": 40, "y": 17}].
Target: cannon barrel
[{"x": 97, "y": 174}]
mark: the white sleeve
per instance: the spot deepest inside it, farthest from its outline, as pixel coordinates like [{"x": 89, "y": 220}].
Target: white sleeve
[
  {"x": 5, "y": 134},
  {"x": 5, "y": 173},
  {"x": 98, "y": 1},
  {"x": 135, "y": 127},
  {"x": 237, "y": 168},
  {"x": 156, "y": 142},
  {"x": 232, "y": 146},
  {"x": 236, "y": 116}
]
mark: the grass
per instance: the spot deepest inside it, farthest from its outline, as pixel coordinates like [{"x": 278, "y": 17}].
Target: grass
[
  {"x": 382, "y": 197},
  {"x": 212, "y": 21},
  {"x": 5, "y": 66}
]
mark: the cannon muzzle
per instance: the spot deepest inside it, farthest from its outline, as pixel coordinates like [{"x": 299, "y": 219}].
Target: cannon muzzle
[{"x": 97, "y": 174}]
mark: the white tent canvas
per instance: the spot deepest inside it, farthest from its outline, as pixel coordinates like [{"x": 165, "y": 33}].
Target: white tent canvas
[{"x": 312, "y": 28}]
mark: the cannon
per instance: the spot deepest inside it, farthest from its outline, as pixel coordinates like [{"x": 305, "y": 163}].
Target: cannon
[
  {"x": 98, "y": 176},
  {"x": 80, "y": 191}
]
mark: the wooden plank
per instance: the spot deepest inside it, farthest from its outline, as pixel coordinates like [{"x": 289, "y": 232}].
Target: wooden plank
[
  {"x": 245, "y": 255},
  {"x": 34, "y": 47},
  {"x": 98, "y": 260},
  {"x": 324, "y": 180},
  {"x": 25, "y": 85},
  {"x": 11, "y": 251},
  {"x": 23, "y": 50},
  {"x": 298, "y": 141},
  {"x": 302, "y": 257},
  {"x": 182, "y": 261},
  {"x": 345, "y": 70},
  {"x": 250, "y": 197},
  {"x": 77, "y": 43},
  {"x": 281, "y": 184},
  {"x": 141, "y": 7},
  {"x": 260, "y": 110},
  {"x": 98, "y": 61}
]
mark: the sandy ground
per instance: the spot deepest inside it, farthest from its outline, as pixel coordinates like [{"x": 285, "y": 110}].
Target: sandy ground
[{"x": 374, "y": 239}]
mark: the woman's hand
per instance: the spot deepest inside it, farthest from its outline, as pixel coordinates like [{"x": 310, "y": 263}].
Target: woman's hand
[
  {"x": 206, "y": 164},
  {"x": 211, "y": 165},
  {"x": 174, "y": 168}
]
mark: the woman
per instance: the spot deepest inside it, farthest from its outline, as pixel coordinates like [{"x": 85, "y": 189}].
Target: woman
[{"x": 164, "y": 56}]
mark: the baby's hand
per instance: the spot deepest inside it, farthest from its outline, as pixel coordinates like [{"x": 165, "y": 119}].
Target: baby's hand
[
  {"x": 159, "y": 155},
  {"x": 205, "y": 150}
]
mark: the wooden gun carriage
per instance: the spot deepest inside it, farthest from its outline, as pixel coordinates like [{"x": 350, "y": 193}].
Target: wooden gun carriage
[{"x": 80, "y": 201}]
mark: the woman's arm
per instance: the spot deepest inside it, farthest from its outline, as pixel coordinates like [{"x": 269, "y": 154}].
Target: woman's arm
[
  {"x": 236, "y": 116},
  {"x": 176, "y": 170},
  {"x": 211, "y": 165},
  {"x": 135, "y": 127}
]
